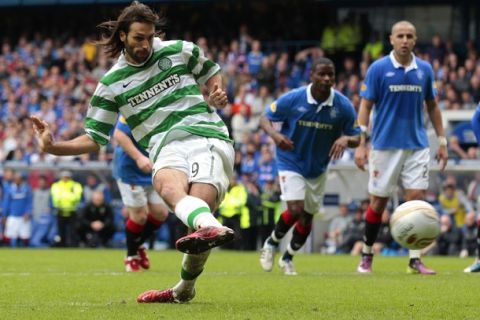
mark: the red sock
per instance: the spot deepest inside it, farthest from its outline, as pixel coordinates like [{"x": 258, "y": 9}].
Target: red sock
[
  {"x": 288, "y": 218},
  {"x": 154, "y": 220},
  {"x": 373, "y": 216},
  {"x": 134, "y": 227}
]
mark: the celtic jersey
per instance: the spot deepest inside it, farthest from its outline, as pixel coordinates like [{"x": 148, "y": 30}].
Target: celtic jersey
[{"x": 160, "y": 99}]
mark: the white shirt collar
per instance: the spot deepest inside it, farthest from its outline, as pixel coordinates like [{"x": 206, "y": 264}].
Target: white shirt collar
[
  {"x": 311, "y": 99},
  {"x": 396, "y": 64}
]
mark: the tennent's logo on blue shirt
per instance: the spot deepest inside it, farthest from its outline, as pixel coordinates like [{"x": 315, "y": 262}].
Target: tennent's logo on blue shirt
[{"x": 313, "y": 127}]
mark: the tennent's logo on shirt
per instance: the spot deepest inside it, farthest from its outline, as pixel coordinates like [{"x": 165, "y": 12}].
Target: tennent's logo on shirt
[
  {"x": 404, "y": 88},
  {"x": 154, "y": 90},
  {"x": 314, "y": 124}
]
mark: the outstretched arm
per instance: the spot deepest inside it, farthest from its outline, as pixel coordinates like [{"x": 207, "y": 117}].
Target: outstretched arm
[
  {"x": 342, "y": 143},
  {"x": 280, "y": 140},
  {"x": 80, "y": 145}
]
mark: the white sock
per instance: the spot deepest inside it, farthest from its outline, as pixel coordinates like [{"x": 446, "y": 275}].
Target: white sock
[
  {"x": 274, "y": 238},
  {"x": 195, "y": 213},
  {"x": 414, "y": 254},
  {"x": 192, "y": 266},
  {"x": 291, "y": 251},
  {"x": 367, "y": 249}
]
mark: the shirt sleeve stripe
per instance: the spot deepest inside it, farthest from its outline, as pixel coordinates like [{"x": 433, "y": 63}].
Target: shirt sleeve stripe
[{"x": 103, "y": 103}]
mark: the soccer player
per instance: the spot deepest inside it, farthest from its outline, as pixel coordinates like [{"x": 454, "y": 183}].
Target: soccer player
[
  {"x": 146, "y": 210},
  {"x": 318, "y": 124},
  {"x": 397, "y": 85},
  {"x": 154, "y": 84},
  {"x": 475, "y": 267}
]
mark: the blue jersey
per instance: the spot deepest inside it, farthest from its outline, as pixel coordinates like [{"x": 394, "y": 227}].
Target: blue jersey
[
  {"x": 313, "y": 127},
  {"x": 124, "y": 167},
  {"x": 18, "y": 200},
  {"x": 476, "y": 124},
  {"x": 399, "y": 94}
]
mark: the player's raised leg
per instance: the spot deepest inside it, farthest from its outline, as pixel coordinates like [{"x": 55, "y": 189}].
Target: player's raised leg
[{"x": 193, "y": 203}]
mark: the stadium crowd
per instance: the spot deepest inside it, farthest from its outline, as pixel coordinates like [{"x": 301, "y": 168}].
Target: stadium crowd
[{"x": 55, "y": 78}]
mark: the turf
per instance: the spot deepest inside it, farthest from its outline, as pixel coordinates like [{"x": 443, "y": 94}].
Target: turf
[{"x": 92, "y": 284}]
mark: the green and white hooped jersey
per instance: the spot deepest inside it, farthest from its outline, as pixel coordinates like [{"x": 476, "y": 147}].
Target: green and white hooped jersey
[{"x": 160, "y": 99}]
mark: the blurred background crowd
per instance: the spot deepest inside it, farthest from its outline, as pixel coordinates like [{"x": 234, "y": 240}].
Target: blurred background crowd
[{"x": 51, "y": 71}]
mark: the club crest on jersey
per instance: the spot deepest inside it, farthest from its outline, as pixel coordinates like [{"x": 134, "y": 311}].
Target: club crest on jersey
[
  {"x": 164, "y": 64},
  {"x": 420, "y": 74},
  {"x": 333, "y": 113}
]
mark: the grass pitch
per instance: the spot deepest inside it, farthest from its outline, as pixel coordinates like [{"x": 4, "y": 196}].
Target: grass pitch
[{"x": 92, "y": 284}]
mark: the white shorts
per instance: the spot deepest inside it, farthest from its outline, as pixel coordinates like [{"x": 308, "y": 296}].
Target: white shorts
[
  {"x": 137, "y": 196},
  {"x": 296, "y": 187},
  {"x": 17, "y": 228},
  {"x": 387, "y": 166},
  {"x": 203, "y": 160}
]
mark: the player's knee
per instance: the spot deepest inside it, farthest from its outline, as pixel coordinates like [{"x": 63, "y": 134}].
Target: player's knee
[
  {"x": 138, "y": 215},
  {"x": 168, "y": 193},
  {"x": 296, "y": 209},
  {"x": 159, "y": 212}
]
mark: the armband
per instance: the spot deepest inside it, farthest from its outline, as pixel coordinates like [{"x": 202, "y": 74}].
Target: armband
[
  {"x": 442, "y": 141},
  {"x": 363, "y": 131}
]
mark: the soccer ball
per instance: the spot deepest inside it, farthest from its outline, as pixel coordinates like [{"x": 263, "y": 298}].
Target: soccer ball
[{"x": 415, "y": 224}]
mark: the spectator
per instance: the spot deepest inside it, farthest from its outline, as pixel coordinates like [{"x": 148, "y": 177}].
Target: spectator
[
  {"x": 66, "y": 195},
  {"x": 336, "y": 229},
  {"x": 232, "y": 208},
  {"x": 270, "y": 209},
  {"x": 373, "y": 49},
  {"x": 241, "y": 123},
  {"x": 259, "y": 103},
  {"x": 473, "y": 191},
  {"x": 436, "y": 51},
  {"x": 96, "y": 222},
  {"x": 353, "y": 234},
  {"x": 462, "y": 139},
  {"x": 248, "y": 219},
  {"x": 449, "y": 242},
  {"x": 454, "y": 203},
  {"x": 92, "y": 185},
  {"x": 266, "y": 75},
  {"x": 469, "y": 236},
  {"x": 44, "y": 226},
  {"x": 267, "y": 167},
  {"x": 254, "y": 58},
  {"x": 17, "y": 207}
]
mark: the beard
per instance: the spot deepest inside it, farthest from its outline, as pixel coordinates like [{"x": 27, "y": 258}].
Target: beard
[{"x": 138, "y": 59}]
